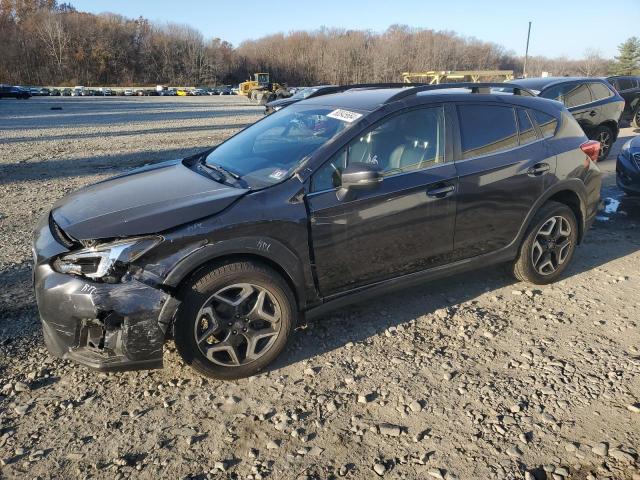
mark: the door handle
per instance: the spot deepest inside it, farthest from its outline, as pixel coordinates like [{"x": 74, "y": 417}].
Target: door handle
[
  {"x": 538, "y": 169},
  {"x": 592, "y": 113},
  {"x": 441, "y": 191}
]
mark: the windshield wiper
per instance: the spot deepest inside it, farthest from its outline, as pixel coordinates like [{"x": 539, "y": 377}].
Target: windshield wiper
[
  {"x": 223, "y": 175},
  {"x": 222, "y": 170}
]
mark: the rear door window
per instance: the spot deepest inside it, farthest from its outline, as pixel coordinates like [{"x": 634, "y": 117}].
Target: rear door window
[
  {"x": 547, "y": 123},
  {"x": 487, "y": 129},
  {"x": 571, "y": 94},
  {"x": 600, "y": 91},
  {"x": 624, "y": 84},
  {"x": 578, "y": 95}
]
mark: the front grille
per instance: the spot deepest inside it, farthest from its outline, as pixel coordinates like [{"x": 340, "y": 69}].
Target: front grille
[
  {"x": 59, "y": 234},
  {"x": 636, "y": 158}
]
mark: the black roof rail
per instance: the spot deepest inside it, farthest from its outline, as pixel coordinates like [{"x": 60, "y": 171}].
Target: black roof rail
[
  {"x": 482, "y": 87},
  {"x": 354, "y": 86}
]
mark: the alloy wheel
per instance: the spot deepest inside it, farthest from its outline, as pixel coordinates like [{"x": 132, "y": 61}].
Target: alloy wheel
[
  {"x": 552, "y": 245},
  {"x": 238, "y": 324},
  {"x": 605, "y": 144},
  {"x": 636, "y": 117}
]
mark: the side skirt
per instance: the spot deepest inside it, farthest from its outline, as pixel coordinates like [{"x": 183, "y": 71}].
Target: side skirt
[{"x": 360, "y": 294}]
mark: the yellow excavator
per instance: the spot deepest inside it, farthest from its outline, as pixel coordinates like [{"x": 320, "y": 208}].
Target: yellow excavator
[{"x": 262, "y": 90}]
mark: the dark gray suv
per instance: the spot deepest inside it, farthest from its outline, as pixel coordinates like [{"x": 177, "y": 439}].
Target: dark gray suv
[
  {"x": 324, "y": 202},
  {"x": 592, "y": 101}
]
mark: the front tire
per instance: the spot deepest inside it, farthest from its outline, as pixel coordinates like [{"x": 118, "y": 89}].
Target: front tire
[
  {"x": 234, "y": 320},
  {"x": 548, "y": 245}
]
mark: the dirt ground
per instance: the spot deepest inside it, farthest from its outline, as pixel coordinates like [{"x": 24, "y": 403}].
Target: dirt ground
[{"x": 473, "y": 377}]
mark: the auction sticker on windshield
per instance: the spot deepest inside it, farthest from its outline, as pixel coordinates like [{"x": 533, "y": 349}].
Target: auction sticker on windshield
[
  {"x": 344, "y": 115},
  {"x": 278, "y": 174}
]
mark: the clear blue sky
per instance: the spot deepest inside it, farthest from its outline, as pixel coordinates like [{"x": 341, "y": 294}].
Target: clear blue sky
[{"x": 560, "y": 27}]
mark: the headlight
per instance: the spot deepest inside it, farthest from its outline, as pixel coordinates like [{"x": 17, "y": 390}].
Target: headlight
[
  {"x": 626, "y": 148},
  {"x": 106, "y": 260}
]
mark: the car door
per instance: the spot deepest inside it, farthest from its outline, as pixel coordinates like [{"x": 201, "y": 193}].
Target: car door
[
  {"x": 607, "y": 109},
  {"x": 578, "y": 99},
  {"x": 502, "y": 172},
  {"x": 405, "y": 224}
]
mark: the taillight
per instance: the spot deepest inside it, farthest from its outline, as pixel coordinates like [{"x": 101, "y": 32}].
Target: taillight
[{"x": 592, "y": 149}]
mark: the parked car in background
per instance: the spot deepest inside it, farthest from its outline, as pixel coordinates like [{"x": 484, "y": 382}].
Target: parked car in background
[
  {"x": 128, "y": 92},
  {"x": 66, "y": 92},
  {"x": 226, "y": 90},
  {"x": 54, "y": 92},
  {"x": 181, "y": 92},
  {"x": 8, "y": 91},
  {"x": 213, "y": 91},
  {"x": 198, "y": 92},
  {"x": 301, "y": 94},
  {"x": 629, "y": 88},
  {"x": 168, "y": 93},
  {"x": 78, "y": 91},
  {"x": 324, "y": 202},
  {"x": 592, "y": 101},
  {"x": 628, "y": 167},
  {"x": 35, "y": 91}
]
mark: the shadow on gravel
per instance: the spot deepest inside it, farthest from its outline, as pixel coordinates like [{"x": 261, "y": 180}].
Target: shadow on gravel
[
  {"x": 18, "y": 311},
  {"x": 361, "y": 321},
  {"x": 49, "y": 169},
  {"x": 127, "y": 133}
]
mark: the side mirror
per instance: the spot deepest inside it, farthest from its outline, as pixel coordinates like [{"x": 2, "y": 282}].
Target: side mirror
[{"x": 358, "y": 176}]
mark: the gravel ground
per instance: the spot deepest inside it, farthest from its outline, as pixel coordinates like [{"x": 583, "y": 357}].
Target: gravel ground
[{"x": 472, "y": 377}]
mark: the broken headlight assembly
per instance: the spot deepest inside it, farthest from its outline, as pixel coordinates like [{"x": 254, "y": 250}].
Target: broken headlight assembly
[{"x": 107, "y": 262}]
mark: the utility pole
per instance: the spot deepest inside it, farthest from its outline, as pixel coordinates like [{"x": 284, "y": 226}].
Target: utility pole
[{"x": 526, "y": 53}]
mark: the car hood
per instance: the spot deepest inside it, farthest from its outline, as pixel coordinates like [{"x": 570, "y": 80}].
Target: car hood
[{"x": 146, "y": 200}]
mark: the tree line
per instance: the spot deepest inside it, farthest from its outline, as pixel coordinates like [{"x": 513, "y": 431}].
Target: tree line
[{"x": 43, "y": 42}]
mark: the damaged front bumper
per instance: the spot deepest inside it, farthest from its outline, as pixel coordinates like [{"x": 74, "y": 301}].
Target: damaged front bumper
[{"x": 105, "y": 326}]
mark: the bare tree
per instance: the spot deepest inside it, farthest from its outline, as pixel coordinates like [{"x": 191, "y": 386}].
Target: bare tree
[
  {"x": 42, "y": 42},
  {"x": 592, "y": 64},
  {"x": 55, "y": 38}
]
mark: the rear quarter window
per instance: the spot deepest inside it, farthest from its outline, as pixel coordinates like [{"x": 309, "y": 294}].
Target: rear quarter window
[
  {"x": 525, "y": 126},
  {"x": 547, "y": 123}
]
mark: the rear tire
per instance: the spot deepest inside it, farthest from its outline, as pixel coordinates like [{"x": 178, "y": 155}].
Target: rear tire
[
  {"x": 543, "y": 255},
  {"x": 635, "y": 118},
  {"x": 604, "y": 135},
  {"x": 234, "y": 320}
]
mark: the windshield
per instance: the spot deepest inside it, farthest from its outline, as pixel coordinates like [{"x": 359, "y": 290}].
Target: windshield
[
  {"x": 304, "y": 93},
  {"x": 268, "y": 151}
]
